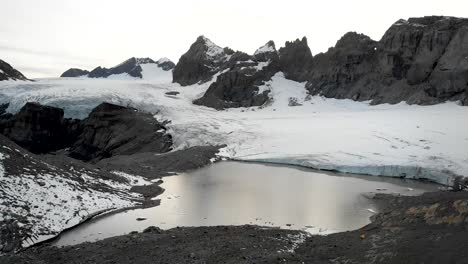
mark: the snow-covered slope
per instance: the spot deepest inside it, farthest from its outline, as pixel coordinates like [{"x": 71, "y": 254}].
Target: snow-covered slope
[
  {"x": 42, "y": 196},
  {"x": 389, "y": 140}
]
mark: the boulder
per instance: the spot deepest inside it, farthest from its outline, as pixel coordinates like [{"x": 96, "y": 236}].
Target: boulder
[
  {"x": 39, "y": 128},
  {"x": 116, "y": 130}
]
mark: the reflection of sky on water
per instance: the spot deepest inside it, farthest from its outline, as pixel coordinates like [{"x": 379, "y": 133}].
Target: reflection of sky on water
[{"x": 234, "y": 193}]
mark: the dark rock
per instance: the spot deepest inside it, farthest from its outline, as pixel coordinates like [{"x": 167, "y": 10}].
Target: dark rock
[
  {"x": 74, "y": 72},
  {"x": 337, "y": 72},
  {"x": 200, "y": 62},
  {"x": 419, "y": 60},
  {"x": 166, "y": 64},
  {"x": 148, "y": 191},
  {"x": 154, "y": 166},
  {"x": 153, "y": 229},
  {"x": 239, "y": 86},
  {"x": 173, "y": 93},
  {"x": 296, "y": 59},
  {"x": 131, "y": 66},
  {"x": 39, "y": 128},
  {"x": 3, "y": 108},
  {"x": 116, "y": 130},
  {"x": 7, "y": 72}
]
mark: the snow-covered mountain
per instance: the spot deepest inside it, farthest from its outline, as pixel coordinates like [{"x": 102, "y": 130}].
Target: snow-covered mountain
[
  {"x": 7, "y": 72},
  {"x": 142, "y": 68},
  {"x": 420, "y": 60}
]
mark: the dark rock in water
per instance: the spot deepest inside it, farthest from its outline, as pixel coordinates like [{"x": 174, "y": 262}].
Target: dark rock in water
[
  {"x": 138, "y": 219},
  {"x": 296, "y": 59},
  {"x": 239, "y": 86},
  {"x": 148, "y": 191},
  {"x": 7, "y": 72},
  {"x": 116, "y": 130},
  {"x": 74, "y": 72},
  {"x": 200, "y": 62},
  {"x": 39, "y": 128}
]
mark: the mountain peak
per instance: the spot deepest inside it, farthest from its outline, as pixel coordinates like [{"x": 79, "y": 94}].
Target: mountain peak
[
  {"x": 7, "y": 72},
  {"x": 268, "y": 47}
]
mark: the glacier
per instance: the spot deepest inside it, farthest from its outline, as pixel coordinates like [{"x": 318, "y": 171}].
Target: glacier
[{"x": 408, "y": 141}]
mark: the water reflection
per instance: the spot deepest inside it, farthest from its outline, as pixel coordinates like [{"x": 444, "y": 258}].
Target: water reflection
[{"x": 235, "y": 193}]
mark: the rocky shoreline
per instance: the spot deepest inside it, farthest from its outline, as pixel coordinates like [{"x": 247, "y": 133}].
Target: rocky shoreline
[{"x": 431, "y": 228}]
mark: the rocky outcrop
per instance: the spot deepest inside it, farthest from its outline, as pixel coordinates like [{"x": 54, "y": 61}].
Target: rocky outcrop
[
  {"x": 203, "y": 60},
  {"x": 165, "y": 64},
  {"x": 132, "y": 67},
  {"x": 337, "y": 73},
  {"x": 39, "y": 128},
  {"x": 7, "y": 72},
  {"x": 115, "y": 130},
  {"x": 419, "y": 60},
  {"x": 296, "y": 59},
  {"x": 240, "y": 85},
  {"x": 74, "y": 72}
]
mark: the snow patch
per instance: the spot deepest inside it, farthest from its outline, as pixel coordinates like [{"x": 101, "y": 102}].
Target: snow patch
[{"x": 265, "y": 49}]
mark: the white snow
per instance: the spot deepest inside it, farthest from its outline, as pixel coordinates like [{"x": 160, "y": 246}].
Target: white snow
[
  {"x": 1, "y": 71},
  {"x": 213, "y": 50},
  {"x": 163, "y": 60},
  {"x": 343, "y": 135},
  {"x": 264, "y": 49},
  {"x": 52, "y": 200}
]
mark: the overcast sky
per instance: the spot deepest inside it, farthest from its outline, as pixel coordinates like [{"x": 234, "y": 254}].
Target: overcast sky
[{"x": 44, "y": 38}]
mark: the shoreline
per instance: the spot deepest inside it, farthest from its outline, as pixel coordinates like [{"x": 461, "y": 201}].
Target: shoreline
[
  {"x": 450, "y": 178},
  {"x": 401, "y": 231}
]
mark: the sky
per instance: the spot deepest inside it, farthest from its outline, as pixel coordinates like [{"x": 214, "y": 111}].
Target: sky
[{"x": 44, "y": 38}]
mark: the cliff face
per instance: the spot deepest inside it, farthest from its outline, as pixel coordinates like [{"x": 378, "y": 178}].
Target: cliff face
[
  {"x": 7, "y": 72},
  {"x": 419, "y": 60}
]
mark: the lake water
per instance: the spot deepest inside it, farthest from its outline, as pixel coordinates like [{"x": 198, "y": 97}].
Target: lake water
[{"x": 237, "y": 193}]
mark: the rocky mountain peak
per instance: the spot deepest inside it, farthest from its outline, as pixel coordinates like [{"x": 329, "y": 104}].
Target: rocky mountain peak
[
  {"x": 200, "y": 62},
  {"x": 7, "y": 72},
  {"x": 268, "y": 47},
  {"x": 352, "y": 40},
  {"x": 295, "y": 59}
]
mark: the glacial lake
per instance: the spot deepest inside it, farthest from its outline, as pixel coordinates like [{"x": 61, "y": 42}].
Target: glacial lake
[{"x": 238, "y": 193}]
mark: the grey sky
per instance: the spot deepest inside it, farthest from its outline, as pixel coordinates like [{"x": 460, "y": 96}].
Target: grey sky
[{"x": 44, "y": 38}]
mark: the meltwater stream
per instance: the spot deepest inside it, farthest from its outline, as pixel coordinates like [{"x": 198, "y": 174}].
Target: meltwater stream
[{"x": 237, "y": 193}]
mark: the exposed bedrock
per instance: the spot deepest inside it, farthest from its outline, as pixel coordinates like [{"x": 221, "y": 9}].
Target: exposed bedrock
[
  {"x": 109, "y": 130},
  {"x": 239, "y": 85},
  {"x": 39, "y": 128},
  {"x": 7, "y": 72},
  {"x": 419, "y": 60},
  {"x": 116, "y": 130},
  {"x": 200, "y": 62}
]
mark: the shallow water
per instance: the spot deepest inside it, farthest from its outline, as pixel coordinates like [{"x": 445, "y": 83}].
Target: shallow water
[{"x": 236, "y": 193}]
